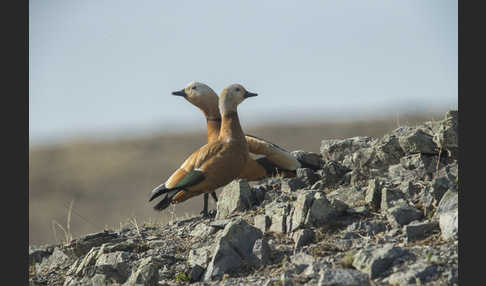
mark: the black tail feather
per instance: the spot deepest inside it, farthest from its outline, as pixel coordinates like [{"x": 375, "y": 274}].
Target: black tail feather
[
  {"x": 307, "y": 165},
  {"x": 160, "y": 190},
  {"x": 166, "y": 201}
]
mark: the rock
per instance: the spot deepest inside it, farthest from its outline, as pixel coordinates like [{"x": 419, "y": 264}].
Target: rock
[
  {"x": 196, "y": 273},
  {"x": 236, "y": 196},
  {"x": 343, "y": 277},
  {"x": 449, "y": 202},
  {"x": 417, "y": 141},
  {"x": 278, "y": 212},
  {"x": 308, "y": 159},
  {"x": 448, "y": 136},
  {"x": 363, "y": 211},
  {"x": 219, "y": 224},
  {"x": 353, "y": 196},
  {"x": 292, "y": 184},
  {"x": 390, "y": 198},
  {"x": 338, "y": 149},
  {"x": 146, "y": 273},
  {"x": 373, "y": 194},
  {"x": 202, "y": 230},
  {"x": 262, "y": 222},
  {"x": 440, "y": 185},
  {"x": 320, "y": 210},
  {"x": 83, "y": 245},
  {"x": 303, "y": 237},
  {"x": 114, "y": 265},
  {"x": 57, "y": 260},
  {"x": 302, "y": 261},
  {"x": 311, "y": 209},
  {"x": 419, "y": 231},
  {"x": 307, "y": 176},
  {"x": 402, "y": 214},
  {"x": 449, "y": 224},
  {"x": 262, "y": 251},
  {"x": 199, "y": 256},
  {"x": 37, "y": 254},
  {"x": 376, "y": 261},
  {"x": 421, "y": 271},
  {"x": 234, "y": 249},
  {"x": 388, "y": 150},
  {"x": 421, "y": 165},
  {"x": 332, "y": 173}
]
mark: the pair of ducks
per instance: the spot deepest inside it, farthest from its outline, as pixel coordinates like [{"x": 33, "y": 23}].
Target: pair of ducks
[{"x": 229, "y": 153}]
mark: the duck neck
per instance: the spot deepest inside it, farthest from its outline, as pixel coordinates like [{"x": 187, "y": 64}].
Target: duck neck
[
  {"x": 214, "y": 125},
  {"x": 230, "y": 127}
]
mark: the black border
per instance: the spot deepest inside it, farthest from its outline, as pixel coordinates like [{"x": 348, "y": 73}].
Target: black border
[{"x": 15, "y": 141}]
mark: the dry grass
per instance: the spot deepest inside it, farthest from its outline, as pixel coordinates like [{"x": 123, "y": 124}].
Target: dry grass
[{"x": 112, "y": 180}]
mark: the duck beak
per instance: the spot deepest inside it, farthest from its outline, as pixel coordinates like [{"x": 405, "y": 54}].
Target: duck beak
[
  {"x": 250, "y": 94},
  {"x": 179, "y": 93}
]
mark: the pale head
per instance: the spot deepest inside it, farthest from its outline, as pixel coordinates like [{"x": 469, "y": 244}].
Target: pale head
[
  {"x": 202, "y": 96},
  {"x": 231, "y": 96}
]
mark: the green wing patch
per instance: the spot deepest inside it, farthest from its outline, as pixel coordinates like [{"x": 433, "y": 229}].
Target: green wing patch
[{"x": 192, "y": 178}]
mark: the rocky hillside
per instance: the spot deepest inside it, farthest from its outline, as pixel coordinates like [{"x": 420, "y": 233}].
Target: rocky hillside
[{"x": 379, "y": 211}]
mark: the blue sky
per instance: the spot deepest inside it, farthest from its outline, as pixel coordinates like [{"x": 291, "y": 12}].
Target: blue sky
[{"x": 108, "y": 67}]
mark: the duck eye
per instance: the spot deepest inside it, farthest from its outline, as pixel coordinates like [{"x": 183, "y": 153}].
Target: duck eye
[
  {"x": 237, "y": 89},
  {"x": 194, "y": 87}
]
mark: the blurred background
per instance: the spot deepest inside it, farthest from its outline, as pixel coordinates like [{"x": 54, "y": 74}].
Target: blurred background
[{"x": 104, "y": 128}]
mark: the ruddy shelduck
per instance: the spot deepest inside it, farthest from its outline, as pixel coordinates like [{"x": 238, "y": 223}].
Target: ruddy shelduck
[
  {"x": 266, "y": 158},
  {"x": 215, "y": 164}
]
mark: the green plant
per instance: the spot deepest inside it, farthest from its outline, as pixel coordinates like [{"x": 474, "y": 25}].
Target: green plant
[{"x": 182, "y": 277}]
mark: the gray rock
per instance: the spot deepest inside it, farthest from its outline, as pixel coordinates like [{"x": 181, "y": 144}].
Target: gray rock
[
  {"x": 419, "y": 231},
  {"x": 234, "y": 249},
  {"x": 332, "y": 174},
  {"x": 36, "y": 254},
  {"x": 320, "y": 210},
  {"x": 449, "y": 224},
  {"x": 303, "y": 237},
  {"x": 373, "y": 193},
  {"x": 199, "y": 256},
  {"x": 388, "y": 150},
  {"x": 338, "y": 149},
  {"x": 417, "y": 141},
  {"x": 307, "y": 176},
  {"x": 57, "y": 260},
  {"x": 114, "y": 265},
  {"x": 352, "y": 196},
  {"x": 313, "y": 160},
  {"x": 302, "y": 261},
  {"x": 402, "y": 214},
  {"x": 375, "y": 261},
  {"x": 83, "y": 245},
  {"x": 311, "y": 209},
  {"x": 292, "y": 184},
  {"x": 449, "y": 202},
  {"x": 236, "y": 196},
  {"x": 262, "y": 251},
  {"x": 440, "y": 185},
  {"x": 262, "y": 222},
  {"x": 343, "y": 277},
  {"x": 277, "y": 212},
  {"x": 96, "y": 280},
  {"x": 390, "y": 198},
  {"x": 220, "y": 223},
  {"x": 146, "y": 273},
  {"x": 196, "y": 273},
  {"x": 448, "y": 136},
  {"x": 422, "y": 271},
  {"x": 202, "y": 230}
]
